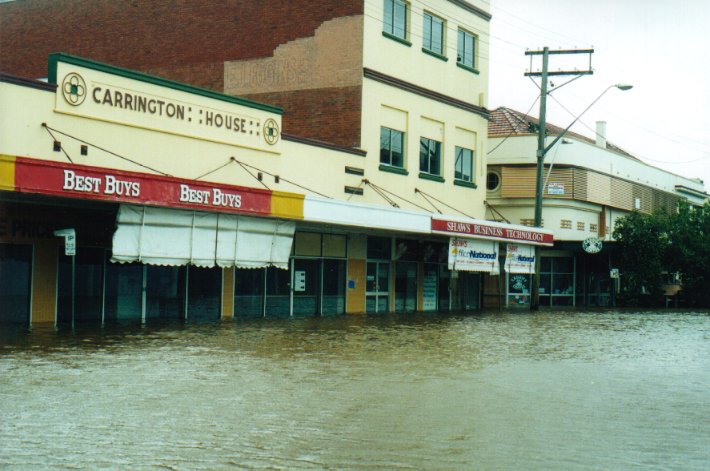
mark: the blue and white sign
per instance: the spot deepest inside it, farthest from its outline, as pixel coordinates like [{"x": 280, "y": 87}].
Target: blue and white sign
[
  {"x": 473, "y": 255},
  {"x": 520, "y": 259}
]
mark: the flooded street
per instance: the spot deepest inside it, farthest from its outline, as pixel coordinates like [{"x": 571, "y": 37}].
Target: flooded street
[{"x": 555, "y": 390}]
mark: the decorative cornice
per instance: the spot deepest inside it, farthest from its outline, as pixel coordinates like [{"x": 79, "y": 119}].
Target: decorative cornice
[
  {"x": 25, "y": 82},
  {"x": 691, "y": 191},
  {"x": 323, "y": 144},
  {"x": 472, "y": 9},
  {"x": 416, "y": 89}
]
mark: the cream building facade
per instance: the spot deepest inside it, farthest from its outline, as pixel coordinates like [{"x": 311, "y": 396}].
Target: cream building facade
[
  {"x": 589, "y": 184},
  {"x": 186, "y": 203}
]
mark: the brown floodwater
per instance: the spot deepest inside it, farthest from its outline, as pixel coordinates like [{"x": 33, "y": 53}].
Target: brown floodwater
[{"x": 553, "y": 391}]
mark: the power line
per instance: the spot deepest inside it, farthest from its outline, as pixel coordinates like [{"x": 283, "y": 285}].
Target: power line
[
  {"x": 104, "y": 150},
  {"x": 513, "y": 131}
]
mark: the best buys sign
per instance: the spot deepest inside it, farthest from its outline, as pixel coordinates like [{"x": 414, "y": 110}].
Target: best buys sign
[{"x": 80, "y": 181}]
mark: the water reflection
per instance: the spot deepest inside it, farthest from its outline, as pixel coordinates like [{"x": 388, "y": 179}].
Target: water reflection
[{"x": 554, "y": 390}]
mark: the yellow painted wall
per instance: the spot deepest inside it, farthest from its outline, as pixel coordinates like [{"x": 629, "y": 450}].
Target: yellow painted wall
[
  {"x": 7, "y": 173},
  {"x": 228, "y": 293},
  {"x": 355, "y": 297},
  {"x": 413, "y": 65},
  {"x": 44, "y": 282},
  {"x": 423, "y": 117}
]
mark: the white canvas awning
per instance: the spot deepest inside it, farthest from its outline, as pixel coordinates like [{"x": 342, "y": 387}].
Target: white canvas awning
[{"x": 163, "y": 236}]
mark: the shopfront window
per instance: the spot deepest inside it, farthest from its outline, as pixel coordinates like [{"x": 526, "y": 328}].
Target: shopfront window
[
  {"x": 430, "y": 294},
  {"x": 557, "y": 286},
  {"x": 204, "y": 291},
  {"x": 15, "y": 283},
  {"x": 444, "y": 289},
  {"x": 86, "y": 281},
  {"x": 123, "y": 300},
  {"x": 165, "y": 292},
  {"x": 249, "y": 289},
  {"x": 518, "y": 290}
]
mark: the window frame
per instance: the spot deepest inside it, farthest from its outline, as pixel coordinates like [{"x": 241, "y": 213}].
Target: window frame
[
  {"x": 428, "y": 19},
  {"x": 488, "y": 178},
  {"x": 389, "y": 149},
  {"x": 429, "y": 156},
  {"x": 472, "y": 165},
  {"x": 461, "y": 49},
  {"x": 392, "y": 28}
]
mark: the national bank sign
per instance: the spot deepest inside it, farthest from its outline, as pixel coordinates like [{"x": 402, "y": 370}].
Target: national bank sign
[{"x": 106, "y": 93}]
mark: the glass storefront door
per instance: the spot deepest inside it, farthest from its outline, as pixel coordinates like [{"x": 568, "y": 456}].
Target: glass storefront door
[
  {"x": 334, "y": 273},
  {"x": 306, "y": 287},
  {"x": 377, "y": 286},
  {"x": 405, "y": 287},
  {"x": 15, "y": 283},
  {"x": 518, "y": 289},
  {"x": 470, "y": 290},
  {"x": 278, "y": 292},
  {"x": 557, "y": 281}
]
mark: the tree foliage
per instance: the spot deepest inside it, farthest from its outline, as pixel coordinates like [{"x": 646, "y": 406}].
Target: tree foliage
[{"x": 654, "y": 245}]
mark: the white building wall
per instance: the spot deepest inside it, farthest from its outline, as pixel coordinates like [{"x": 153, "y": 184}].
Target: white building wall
[{"x": 522, "y": 149}]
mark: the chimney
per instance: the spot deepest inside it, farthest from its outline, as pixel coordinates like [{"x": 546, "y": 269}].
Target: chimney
[{"x": 601, "y": 134}]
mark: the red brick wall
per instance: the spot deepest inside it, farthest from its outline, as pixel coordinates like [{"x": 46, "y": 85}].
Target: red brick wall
[
  {"x": 184, "y": 40},
  {"x": 327, "y": 114}
]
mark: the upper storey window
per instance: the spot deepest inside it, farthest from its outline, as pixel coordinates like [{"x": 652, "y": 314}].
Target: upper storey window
[
  {"x": 396, "y": 18},
  {"x": 433, "y": 34},
  {"x": 391, "y": 147},
  {"x": 463, "y": 166},
  {"x": 429, "y": 156},
  {"x": 466, "y": 53}
]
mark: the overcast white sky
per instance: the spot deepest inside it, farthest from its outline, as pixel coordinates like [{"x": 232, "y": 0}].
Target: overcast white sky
[{"x": 661, "y": 47}]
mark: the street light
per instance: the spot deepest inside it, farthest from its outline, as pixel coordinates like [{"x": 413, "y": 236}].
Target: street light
[{"x": 542, "y": 151}]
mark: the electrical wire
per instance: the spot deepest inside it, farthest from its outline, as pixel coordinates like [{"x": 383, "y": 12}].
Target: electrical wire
[
  {"x": 252, "y": 175},
  {"x": 384, "y": 190},
  {"x": 417, "y": 190},
  {"x": 231, "y": 160},
  {"x": 428, "y": 201},
  {"x": 705, "y": 156},
  {"x": 104, "y": 150},
  {"x": 513, "y": 131},
  {"x": 61, "y": 147},
  {"x": 244, "y": 165}
]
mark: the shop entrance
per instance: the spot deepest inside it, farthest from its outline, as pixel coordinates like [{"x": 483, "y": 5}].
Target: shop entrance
[
  {"x": 377, "y": 296},
  {"x": 405, "y": 287},
  {"x": 468, "y": 291}
]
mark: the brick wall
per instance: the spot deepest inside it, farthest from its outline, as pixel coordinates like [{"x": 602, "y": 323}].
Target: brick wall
[
  {"x": 191, "y": 41},
  {"x": 182, "y": 40},
  {"x": 327, "y": 114}
]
